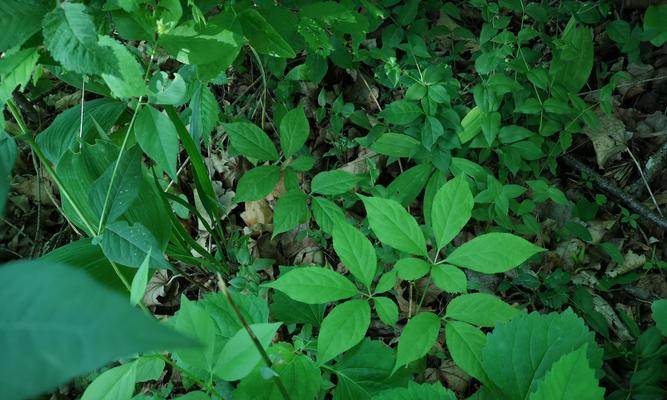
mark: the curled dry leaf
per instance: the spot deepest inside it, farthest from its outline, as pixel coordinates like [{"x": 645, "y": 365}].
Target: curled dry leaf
[{"x": 609, "y": 138}]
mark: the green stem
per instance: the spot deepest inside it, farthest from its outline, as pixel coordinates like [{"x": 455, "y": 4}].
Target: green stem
[{"x": 255, "y": 341}]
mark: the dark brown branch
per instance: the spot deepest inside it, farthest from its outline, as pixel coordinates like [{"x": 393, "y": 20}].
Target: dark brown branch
[{"x": 614, "y": 191}]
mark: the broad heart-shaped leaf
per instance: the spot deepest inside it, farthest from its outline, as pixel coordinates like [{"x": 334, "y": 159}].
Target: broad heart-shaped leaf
[
  {"x": 251, "y": 141},
  {"x": 418, "y": 337},
  {"x": 394, "y": 226},
  {"x": 79, "y": 170},
  {"x": 386, "y": 309},
  {"x": 571, "y": 377},
  {"x": 326, "y": 213},
  {"x": 63, "y": 132},
  {"x": 20, "y": 19},
  {"x": 262, "y": 36},
  {"x": 128, "y": 80},
  {"x": 129, "y": 245},
  {"x": 314, "y": 285},
  {"x": 71, "y": 37},
  {"x": 193, "y": 320},
  {"x": 480, "y": 309},
  {"x": 157, "y": 136},
  {"x": 297, "y": 372},
  {"x": 401, "y": 112},
  {"x": 240, "y": 356},
  {"x": 449, "y": 278},
  {"x": 493, "y": 252},
  {"x": 191, "y": 43},
  {"x": 465, "y": 343},
  {"x": 333, "y": 182},
  {"x": 66, "y": 325},
  {"x": 294, "y": 130},
  {"x": 116, "y": 383},
  {"x": 257, "y": 183},
  {"x": 119, "y": 186},
  {"x": 291, "y": 210},
  {"x": 410, "y": 268},
  {"x": 355, "y": 251},
  {"x": 430, "y": 391},
  {"x": 451, "y": 210},
  {"x": 342, "y": 329},
  {"x": 531, "y": 344}
]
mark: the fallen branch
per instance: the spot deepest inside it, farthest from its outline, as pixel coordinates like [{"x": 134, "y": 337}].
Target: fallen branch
[
  {"x": 614, "y": 191},
  {"x": 654, "y": 166}
]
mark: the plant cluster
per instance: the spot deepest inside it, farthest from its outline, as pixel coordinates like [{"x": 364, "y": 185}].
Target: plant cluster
[{"x": 415, "y": 149}]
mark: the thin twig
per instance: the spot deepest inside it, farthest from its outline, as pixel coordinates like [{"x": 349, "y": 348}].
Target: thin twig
[
  {"x": 654, "y": 167},
  {"x": 641, "y": 173}
]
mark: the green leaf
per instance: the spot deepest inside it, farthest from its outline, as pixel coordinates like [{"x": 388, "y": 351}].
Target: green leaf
[
  {"x": 129, "y": 245},
  {"x": 297, "y": 372},
  {"x": 63, "y": 132},
  {"x": 342, "y": 329},
  {"x": 157, "y": 136},
  {"x": 70, "y": 35},
  {"x": 394, "y": 226},
  {"x": 365, "y": 370},
  {"x": 294, "y": 130},
  {"x": 431, "y": 131},
  {"x": 114, "y": 192},
  {"x": 251, "y": 141},
  {"x": 480, "y": 309},
  {"x": 289, "y": 311},
  {"x": 465, "y": 343},
  {"x": 66, "y": 325},
  {"x": 396, "y": 145},
  {"x": 326, "y": 213},
  {"x": 386, "y": 309},
  {"x": 451, "y": 210},
  {"x": 533, "y": 343},
  {"x": 573, "y": 62},
  {"x": 162, "y": 90},
  {"x": 262, "y": 36},
  {"x": 291, "y": 210},
  {"x": 7, "y": 159},
  {"x": 15, "y": 71},
  {"x": 257, "y": 183},
  {"x": 127, "y": 81},
  {"x": 355, "y": 251},
  {"x": 449, "y": 278},
  {"x": 411, "y": 269},
  {"x": 571, "y": 377},
  {"x": 20, "y": 19},
  {"x": 659, "y": 310},
  {"x": 113, "y": 384},
  {"x": 240, "y": 356},
  {"x": 204, "y": 113},
  {"x": 314, "y": 285},
  {"x": 140, "y": 280},
  {"x": 431, "y": 391},
  {"x": 407, "y": 186},
  {"x": 493, "y": 252},
  {"x": 654, "y": 24},
  {"x": 214, "y": 43},
  {"x": 335, "y": 182},
  {"x": 417, "y": 339},
  {"x": 401, "y": 112},
  {"x": 471, "y": 124},
  {"x": 192, "y": 319}
]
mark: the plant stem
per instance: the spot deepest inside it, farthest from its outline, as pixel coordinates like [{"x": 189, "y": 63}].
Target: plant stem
[{"x": 255, "y": 341}]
